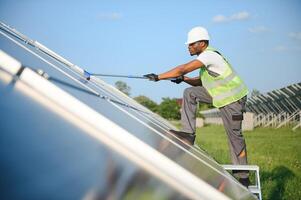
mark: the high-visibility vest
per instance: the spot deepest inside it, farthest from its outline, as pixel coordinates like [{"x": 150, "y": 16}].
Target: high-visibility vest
[{"x": 225, "y": 88}]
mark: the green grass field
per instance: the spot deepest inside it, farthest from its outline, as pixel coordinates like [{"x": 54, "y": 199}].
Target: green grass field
[{"x": 276, "y": 151}]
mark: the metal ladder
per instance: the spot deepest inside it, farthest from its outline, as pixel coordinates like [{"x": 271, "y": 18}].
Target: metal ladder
[{"x": 255, "y": 189}]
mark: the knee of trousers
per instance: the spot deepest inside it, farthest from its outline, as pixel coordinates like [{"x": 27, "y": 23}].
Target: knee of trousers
[{"x": 188, "y": 93}]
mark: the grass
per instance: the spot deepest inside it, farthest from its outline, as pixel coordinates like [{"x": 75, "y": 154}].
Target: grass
[{"x": 276, "y": 151}]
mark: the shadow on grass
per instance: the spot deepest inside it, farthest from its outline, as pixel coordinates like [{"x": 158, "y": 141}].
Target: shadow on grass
[{"x": 278, "y": 176}]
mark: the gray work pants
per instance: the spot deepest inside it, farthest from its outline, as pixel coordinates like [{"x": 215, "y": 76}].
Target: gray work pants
[{"x": 230, "y": 115}]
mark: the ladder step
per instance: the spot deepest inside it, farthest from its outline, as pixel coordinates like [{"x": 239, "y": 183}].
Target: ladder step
[
  {"x": 241, "y": 167},
  {"x": 254, "y": 189}
]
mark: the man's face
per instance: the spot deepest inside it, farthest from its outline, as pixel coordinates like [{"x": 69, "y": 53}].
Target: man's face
[{"x": 195, "y": 48}]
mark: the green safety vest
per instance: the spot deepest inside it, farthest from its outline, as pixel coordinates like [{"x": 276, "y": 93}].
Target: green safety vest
[{"x": 225, "y": 88}]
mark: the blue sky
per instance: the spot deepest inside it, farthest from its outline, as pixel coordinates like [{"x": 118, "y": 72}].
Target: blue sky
[{"x": 261, "y": 39}]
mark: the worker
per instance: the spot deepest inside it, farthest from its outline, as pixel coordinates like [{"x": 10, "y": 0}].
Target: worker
[{"x": 217, "y": 84}]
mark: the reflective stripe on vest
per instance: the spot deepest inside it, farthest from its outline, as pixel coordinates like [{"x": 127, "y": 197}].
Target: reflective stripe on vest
[
  {"x": 219, "y": 82},
  {"x": 229, "y": 93},
  {"x": 225, "y": 88}
]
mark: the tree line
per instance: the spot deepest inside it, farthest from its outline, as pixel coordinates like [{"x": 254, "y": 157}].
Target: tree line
[{"x": 168, "y": 108}]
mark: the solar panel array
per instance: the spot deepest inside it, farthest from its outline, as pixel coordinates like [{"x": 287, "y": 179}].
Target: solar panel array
[
  {"x": 66, "y": 137},
  {"x": 278, "y": 107}
]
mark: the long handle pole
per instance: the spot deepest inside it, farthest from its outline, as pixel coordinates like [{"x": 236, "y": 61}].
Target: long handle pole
[
  {"x": 120, "y": 76},
  {"x": 87, "y": 75}
]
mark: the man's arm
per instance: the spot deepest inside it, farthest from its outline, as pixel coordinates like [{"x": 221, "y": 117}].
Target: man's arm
[
  {"x": 196, "y": 81},
  {"x": 181, "y": 70}
]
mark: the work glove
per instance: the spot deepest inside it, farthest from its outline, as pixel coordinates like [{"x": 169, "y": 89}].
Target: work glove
[
  {"x": 178, "y": 79},
  {"x": 152, "y": 77}
]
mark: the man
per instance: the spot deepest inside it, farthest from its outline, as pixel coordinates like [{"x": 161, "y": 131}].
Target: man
[{"x": 217, "y": 84}]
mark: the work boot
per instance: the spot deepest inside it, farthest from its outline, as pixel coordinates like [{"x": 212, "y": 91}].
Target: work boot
[
  {"x": 244, "y": 181},
  {"x": 188, "y": 138}
]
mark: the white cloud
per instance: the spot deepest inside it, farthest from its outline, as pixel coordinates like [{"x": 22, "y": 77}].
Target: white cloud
[
  {"x": 258, "y": 29},
  {"x": 235, "y": 17},
  {"x": 280, "y": 48},
  {"x": 219, "y": 18},
  {"x": 295, "y": 35},
  {"x": 240, "y": 16},
  {"x": 283, "y": 48},
  {"x": 109, "y": 16}
]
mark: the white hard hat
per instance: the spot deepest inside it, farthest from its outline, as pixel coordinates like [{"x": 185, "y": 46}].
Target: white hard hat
[{"x": 196, "y": 34}]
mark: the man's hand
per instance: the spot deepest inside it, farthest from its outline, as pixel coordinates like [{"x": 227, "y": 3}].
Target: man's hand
[
  {"x": 178, "y": 79},
  {"x": 152, "y": 77}
]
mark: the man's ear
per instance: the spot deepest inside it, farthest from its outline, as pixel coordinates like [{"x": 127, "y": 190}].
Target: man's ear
[{"x": 203, "y": 43}]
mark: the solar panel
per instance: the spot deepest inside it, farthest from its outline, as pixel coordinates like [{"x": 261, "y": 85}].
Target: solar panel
[
  {"x": 277, "y": 107},
  {"x": 286, "y": 99},
  {"x": 63, "y": 132}
]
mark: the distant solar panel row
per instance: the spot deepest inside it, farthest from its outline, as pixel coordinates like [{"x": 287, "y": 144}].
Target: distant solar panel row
[
  {"x": 65, "y": 137},
  {"x": 287, "y": 99}
]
